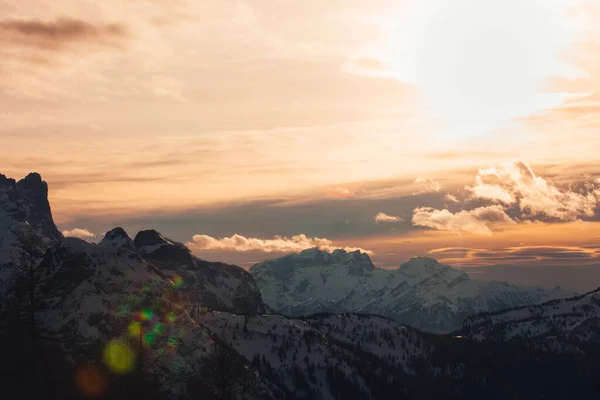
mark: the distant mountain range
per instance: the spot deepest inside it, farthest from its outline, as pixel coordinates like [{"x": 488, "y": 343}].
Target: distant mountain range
[
  {"x": 196, "y": 329},
  {"x": 422, "y": 292}
]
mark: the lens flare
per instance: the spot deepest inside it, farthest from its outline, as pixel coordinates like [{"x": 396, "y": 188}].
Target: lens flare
[
  {"x": 159, "y": 329},
  {"x": 171, "y": 317},
  {"x": 90, "y": 381},
  {"x": 172, "y": 342},
  {"x": 119, "y": 357},
  {"x": 177, "y": 282},
  {"x": 134, "y": 329},
  {"x": 149, "y": 338},
  {"x": 146, "y": 314}
]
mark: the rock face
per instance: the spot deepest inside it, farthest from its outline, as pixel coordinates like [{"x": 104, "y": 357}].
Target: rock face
[
  {"x": 422, "y": 292},
  {"x": 26, "y": 225},
  {"x": 204, "y": 284}
]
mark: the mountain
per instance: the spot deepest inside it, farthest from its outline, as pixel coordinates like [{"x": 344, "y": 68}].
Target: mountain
[
  {"x": 135, "y": 292},
  {"x": 26, "y": 225},
  {"x": 565, "y": 325},
  {"x": 143, "y": 318},
  {"x": 422, "y": 292}
]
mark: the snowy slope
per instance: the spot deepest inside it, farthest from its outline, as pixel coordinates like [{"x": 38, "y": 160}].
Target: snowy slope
[
  {"x": 559, "y": 324},
  {"x": 421, "y": 293},
  {"x": 347, "y": 356},
  {"x": 302, "y": 354},
  {"x": 95, "y": 294}
]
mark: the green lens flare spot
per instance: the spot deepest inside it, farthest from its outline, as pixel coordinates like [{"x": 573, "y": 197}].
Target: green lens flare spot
[
  {"x": 159, "y": 328},
  {"x": 146, "y": 314},
  {"x": 119, "y": 357},
  {"x": 172, "y": 342},
  {"x": 171, "y": 317},
  {"x": 149, "y": 338}
]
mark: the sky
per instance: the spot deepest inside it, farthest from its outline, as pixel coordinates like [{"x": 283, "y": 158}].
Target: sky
[{"x": 462, "y": 130}]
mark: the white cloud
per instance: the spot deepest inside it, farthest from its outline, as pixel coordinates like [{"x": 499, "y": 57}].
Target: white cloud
[
  {"x": 516, "y": 183},
  {"x": 427, "y": 185},
  {"x": 451, "y": 198},
  {"x": 476, "y": 221},
  {"x": 79, "y": 233},
  {"x": 277, "y": 244},
  {"x": 491, "y": 192},
  {"x": 383, "y": 217}
]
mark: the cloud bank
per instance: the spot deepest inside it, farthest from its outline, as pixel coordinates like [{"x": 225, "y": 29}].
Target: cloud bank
[
  {"x": 79, "y": 233},
  {"x": 426, "y": 185},
  {"x": 515, "y": 183},
  {"x": 475, "y": 221},
  {"x": 239, "y": 243},
  {"x": 518, "y": 255},
  {"x": 512, "y": 189}
]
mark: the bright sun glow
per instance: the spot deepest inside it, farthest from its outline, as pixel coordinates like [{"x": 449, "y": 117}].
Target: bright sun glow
[{"x": 480, "y": 63}]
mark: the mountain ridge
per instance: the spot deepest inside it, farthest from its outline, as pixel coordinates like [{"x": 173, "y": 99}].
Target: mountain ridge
[{"x": 422, "y": 292}]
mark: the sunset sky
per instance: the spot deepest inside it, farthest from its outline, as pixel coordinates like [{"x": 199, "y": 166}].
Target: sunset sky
[{"x": 464, "y": 130}]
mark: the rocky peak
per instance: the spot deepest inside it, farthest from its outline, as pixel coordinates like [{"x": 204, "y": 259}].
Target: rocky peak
[
  {"x": 117, "y": 237},
  {"x": 26, "y": 201},
  {"x": 421, "y": 266},
  {"x": 356, "y": 263},
  {"x": 34, "y": 182},
  {"x": 425, "y": 268},
  {"x": 148, "y": 238},
  {"x": 316, "y": 256},
  {"x": 6, "y": 182},
  {"x": 162, "y": 250}
]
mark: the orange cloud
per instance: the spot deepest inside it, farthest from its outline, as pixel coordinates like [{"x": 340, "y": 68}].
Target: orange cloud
[
  {"x": 450, "y": 198},
  {"x": 79, "y": 233},
  {"x": 239, "y": 243},
  {"x": 474, "y": 221},
  {"x": 517, "y": 255},
  {"x": 383, "y": 217},
  {"x": 426, "y": 185}
]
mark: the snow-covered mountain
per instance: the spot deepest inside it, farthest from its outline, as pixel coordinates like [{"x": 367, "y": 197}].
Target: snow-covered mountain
[
  {"x": 421, "y": 293},
  {"x": 565, "y": 324}
]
